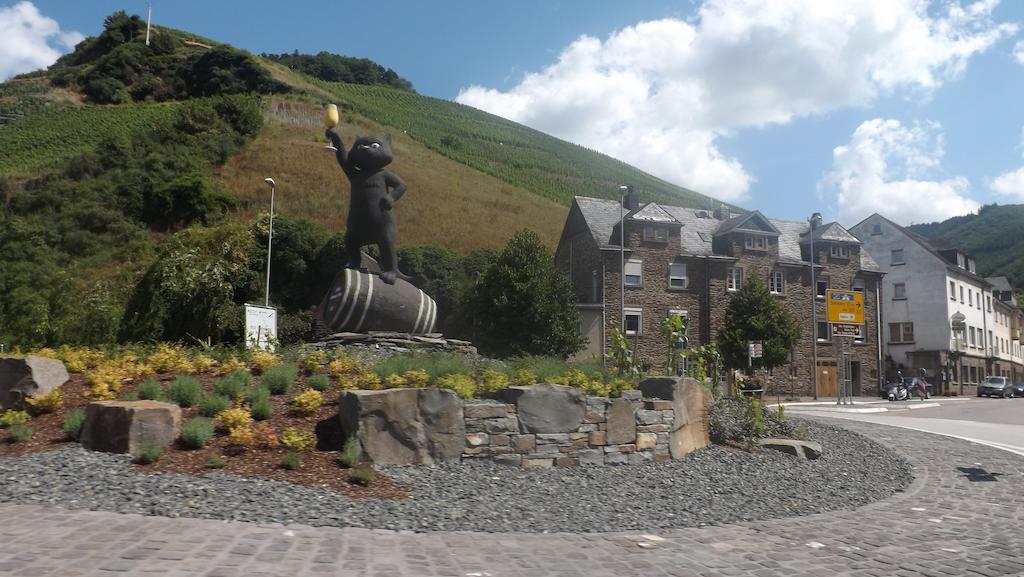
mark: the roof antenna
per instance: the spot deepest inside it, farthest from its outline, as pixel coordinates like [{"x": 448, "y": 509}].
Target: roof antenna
[{"x": 149, "y": 21}]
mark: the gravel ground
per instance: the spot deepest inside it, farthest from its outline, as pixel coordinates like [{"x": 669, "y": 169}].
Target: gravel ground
[{"x": 712, "y": 486}]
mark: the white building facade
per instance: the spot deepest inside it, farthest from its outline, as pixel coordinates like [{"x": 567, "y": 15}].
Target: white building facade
[{"x": 938, "y": 315}]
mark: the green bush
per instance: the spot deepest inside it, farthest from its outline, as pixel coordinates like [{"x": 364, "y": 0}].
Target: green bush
[
  {"x": 436, "y": 364},
  {"x": 72, "y": 424},
  {"x": 196, "y": 432},
  {"x": 319, "y": 382},
  {"x": 150, "y": 390},
  {"x": 215, "y": 462},
  {"x": 278, "y": 380},
  {"x": 184, "y": 390},
  {"x": 362, "y": 475},
  {"x": 148, "y": 453},
  {"x": 349, "y": 455},
  {"x": 260, "y": 406},
  {"x": 210, "y": 405},
  {"x": 291, "y": 461},
  {"x": 233, "y": 385},
  {"x": 19, "y": 433}
]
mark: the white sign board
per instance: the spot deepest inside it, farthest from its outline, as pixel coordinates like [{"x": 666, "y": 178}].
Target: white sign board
[
  {"x": 260, "y": 327},
  {"x": 755, "y": 349}
]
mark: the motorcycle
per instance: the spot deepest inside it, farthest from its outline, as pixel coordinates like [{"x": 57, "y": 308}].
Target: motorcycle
[{"x": 898, "y": 391}]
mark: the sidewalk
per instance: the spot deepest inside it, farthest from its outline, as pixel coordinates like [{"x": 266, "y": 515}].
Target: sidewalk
[{"x": 861, "y": 404}]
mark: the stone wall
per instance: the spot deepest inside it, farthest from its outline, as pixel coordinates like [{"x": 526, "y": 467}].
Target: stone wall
[{"x": 541, "y": 425}]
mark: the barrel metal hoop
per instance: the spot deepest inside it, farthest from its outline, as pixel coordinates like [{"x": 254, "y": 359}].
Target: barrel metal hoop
[
  {"x": 369, "y": 299},
  {"x": 344, "y": 300},
  {"x": 355, "y": 298}
]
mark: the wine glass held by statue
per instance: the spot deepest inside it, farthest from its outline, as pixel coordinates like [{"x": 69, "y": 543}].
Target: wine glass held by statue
[{"x": 331, "y": 120}]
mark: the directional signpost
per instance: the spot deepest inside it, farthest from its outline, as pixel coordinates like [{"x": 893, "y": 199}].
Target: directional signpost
[{"x": 845, "y": 310}]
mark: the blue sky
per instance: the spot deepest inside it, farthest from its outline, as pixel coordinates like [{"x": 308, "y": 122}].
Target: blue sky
[{"x": 903, "y": 107}]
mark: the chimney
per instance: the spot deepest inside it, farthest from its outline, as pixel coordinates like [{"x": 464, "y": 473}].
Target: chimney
[
  {"x": 815, "y": 220},
  {"x": 722, "y": 212},
  {"x": 631, "y": 200}
]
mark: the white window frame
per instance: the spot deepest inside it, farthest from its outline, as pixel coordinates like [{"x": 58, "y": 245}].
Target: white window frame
[
  {"x": 733, "y": 279},
  {"x": 639, "y": 314},
  {"x": 899, "y": 291},
  {"x": 673, "y": 277},
  {"x": 755, "y": 242},
  {"x": 897, "y": 257},
  {"x": 952, "y": 290},
  {"x": 777, "y": 282},
  {"x": 655, "y": 233},
  {"x": 839, "y": 251},
  {"x": 637, "y": 266},
  {"x": 827, "y": 332}
]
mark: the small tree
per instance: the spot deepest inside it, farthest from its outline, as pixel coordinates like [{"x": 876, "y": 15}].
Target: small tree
[
  {"x": 753, "y": 314},
  {"x": 523, "y": 305}
]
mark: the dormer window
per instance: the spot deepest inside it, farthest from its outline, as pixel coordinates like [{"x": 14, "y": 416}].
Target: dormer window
[
  {"x": 839, "y": 251},
  {"x": 655, "y": 233},
  {"x": 755, "y": 242}
]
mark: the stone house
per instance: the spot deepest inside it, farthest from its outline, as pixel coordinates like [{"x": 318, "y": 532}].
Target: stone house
[
  {"x": 941, "y": 315},
  {"x": 688, "y": 261}
]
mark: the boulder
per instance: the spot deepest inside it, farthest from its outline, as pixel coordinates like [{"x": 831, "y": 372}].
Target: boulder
[
  {"x": 25, "y": 376},
  {"x": 405, "y": 426},
  {"x": 809, "y": 450},
  {"x": 127, "y": 426},
  {"x": 547, "y": 408},
  {"x": 621, "y": 427},
  {"x": 690, "y": 399}
]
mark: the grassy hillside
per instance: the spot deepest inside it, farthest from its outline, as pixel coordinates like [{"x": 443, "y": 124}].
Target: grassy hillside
[
  {"x": 448, "y": 203},
  {"x": 993, "y": 237}
]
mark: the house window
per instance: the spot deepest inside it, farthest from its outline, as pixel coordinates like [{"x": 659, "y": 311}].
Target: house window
[
  {"x": 970, "y": 298},
  {"x": 733, "y": 279},
  {"x": 823, "y": 332},
  {"x": 634, "y": 321},
  {"x": 755, "y": 242},
  {"x": 988, "y": 303},
  {"x": 961, "y": 295},
  {"x": 899, "y": 291},
  {"x": 822, "y": 288},
  {"x": 901, "y": 332},
  {"x": 876, "y": 229},
  {"x": 973, "y": 341},
  {"x": 656, "y": 233},
  {"x": 952, "y": 291},
  {"x": 634, "y": 270},
  {"x": 858, "y": 285},
  {"x": 839, "y": 251},
  {"x": 677, "y": 275},
  {"x": 777, "y": 284},
  {"x": 897, "y": 256}
]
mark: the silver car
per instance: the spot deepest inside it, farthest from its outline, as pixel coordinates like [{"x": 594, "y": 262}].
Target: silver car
[{"x": 996, "y": 387}]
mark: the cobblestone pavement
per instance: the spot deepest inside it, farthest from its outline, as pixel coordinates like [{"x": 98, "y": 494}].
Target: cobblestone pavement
[{"x": 962, "y": 516}]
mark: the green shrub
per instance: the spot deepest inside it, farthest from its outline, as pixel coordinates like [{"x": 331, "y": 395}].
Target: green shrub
[
  {"x": 543, "y": 369},
  {"x": 19, "y": 433},
  {"x": 72, "y": 424},
  {"x": 260, "y": 406},
  {"x": 319, "y": 382},
  {"x": 130, "y": 397},
  {"x": 150, "y": 390},
  {"x": 278, "y": 380},
  {"x": 196, "y": 432},
  {"x": 215, "y": 462},
  {"x": 349, "y": 455},
  {"x": 291, "y": 461},
  {"x": 210, "y": 405},
  {"x": 148, "y": 453},
  {"x": 184, "y": 390},
  {"x": 436, "y": 364},
  {"x": 232, "y": 386},
  {"x": 362, "y": 475}
]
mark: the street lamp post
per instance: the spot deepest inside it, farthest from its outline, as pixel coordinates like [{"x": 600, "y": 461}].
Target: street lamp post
[
  {"x": 623, "y": 191},
  {"x": 270, "y": 237},
  {"x": 814, "y": 310}
]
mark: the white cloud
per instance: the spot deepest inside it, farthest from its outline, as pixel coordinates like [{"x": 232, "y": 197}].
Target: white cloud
[
  {"x": 1018, "y": 51},
  {"x": 29, "y": 40},
  {"x": 660, "y": 94},
  {"x": 883, "y": 169},
  {"x": 1010, "y": 183}
]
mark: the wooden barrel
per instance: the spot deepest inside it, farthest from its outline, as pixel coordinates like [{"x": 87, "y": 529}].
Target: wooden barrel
[{"x": 360, "y": 302}]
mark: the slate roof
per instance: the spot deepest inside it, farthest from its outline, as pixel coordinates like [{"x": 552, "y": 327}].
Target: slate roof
[
  {"x": 831, "y": 232},
  {"x": 934, "y": 246},
  {"x": 1000, "y": 283},
  {"x": 742, "y": 222},
  {"x": 699, "y": 227}
]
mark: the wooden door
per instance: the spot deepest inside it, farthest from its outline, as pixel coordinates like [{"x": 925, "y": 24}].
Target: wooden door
[{"x": 828, "y": 379}]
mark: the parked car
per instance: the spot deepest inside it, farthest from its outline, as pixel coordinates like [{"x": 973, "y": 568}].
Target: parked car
[
  {"x": 996, "y": 387},
  {"x": 1018, "y": 389}
]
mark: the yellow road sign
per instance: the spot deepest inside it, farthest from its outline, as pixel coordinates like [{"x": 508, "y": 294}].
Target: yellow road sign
[{"x": 845, "y": 306}]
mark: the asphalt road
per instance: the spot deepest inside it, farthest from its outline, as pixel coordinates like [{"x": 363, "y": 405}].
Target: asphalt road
[{"x": 996, "y": 423}]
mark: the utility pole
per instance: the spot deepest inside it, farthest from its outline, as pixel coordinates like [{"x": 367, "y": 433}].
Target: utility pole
[{"x": 149, "y": 21}]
